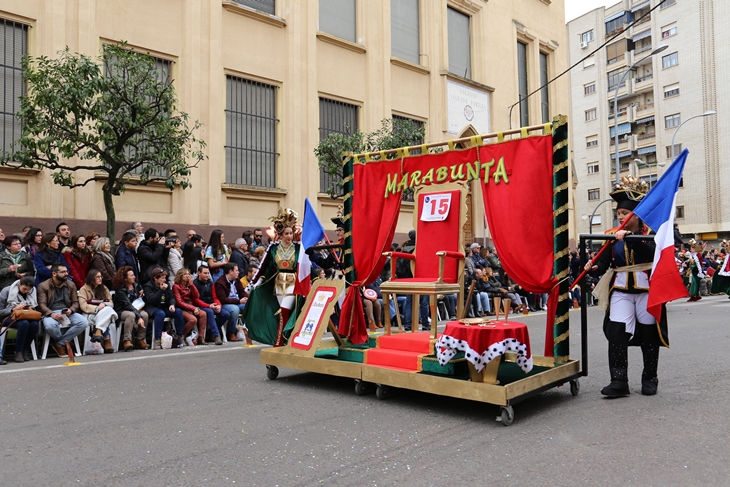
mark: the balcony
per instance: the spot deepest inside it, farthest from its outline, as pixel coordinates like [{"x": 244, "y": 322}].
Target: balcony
[
  {"x": 643, "y": 111},
  {"x": 642, "y": 84},
  {"x": 645, "y": 139},
  {"x": 621, "y": 113}
]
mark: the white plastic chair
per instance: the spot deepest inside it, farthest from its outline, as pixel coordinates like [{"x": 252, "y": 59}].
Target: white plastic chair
[
  {"x": 47, "y": 341},
  {"x": 4, "y": 337}
]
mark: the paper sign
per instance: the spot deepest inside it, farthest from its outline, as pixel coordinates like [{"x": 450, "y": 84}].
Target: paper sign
[
  {"x": 436, "y": 207},
  {"x": 313, "y": 318}
]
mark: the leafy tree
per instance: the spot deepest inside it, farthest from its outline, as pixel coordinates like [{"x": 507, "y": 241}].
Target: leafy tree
[
  {"x": 115, "y": 120},
  {"x": 392, "y": 134}
]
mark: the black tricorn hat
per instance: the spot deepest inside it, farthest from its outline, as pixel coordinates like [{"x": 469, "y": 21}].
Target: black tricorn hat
[{"x": 339, "y": 222}]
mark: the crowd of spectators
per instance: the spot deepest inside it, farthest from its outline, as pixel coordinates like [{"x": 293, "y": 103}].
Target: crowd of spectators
[{"x": 62, "y": 284}]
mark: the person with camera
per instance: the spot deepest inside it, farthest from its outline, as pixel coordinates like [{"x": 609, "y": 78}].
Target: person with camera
[
  {"x": 18, "y": 298},
  {"x": 152, "y": 252},
  {"x": 175, "y": 259}
]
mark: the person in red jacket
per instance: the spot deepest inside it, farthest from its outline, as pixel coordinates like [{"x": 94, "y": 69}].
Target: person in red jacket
[
  {"x": 78, "y": 257},
  {"x": 194, "y": 310}
]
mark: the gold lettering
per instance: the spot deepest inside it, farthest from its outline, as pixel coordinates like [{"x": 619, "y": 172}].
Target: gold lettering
[
  {"x": 415, "y": 178},
  {"x": 457, "y": 175},
  {"x": 403, "y": 183},
  {"x": 428, "y": 177},
  {"x": 472, "y": 173},
  {"x": 487, "y": 166},
  {"x": 500, "y": 172},
  {"x": 391, "y": 185},
  {"x": 442, "y": 174}
]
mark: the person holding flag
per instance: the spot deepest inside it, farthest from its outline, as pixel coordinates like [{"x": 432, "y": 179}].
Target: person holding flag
[
  {"x": 640, "y": 277},
  {"x": 280, "y": 285}
]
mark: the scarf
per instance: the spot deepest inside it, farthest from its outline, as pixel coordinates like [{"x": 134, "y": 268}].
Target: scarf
[
  {"x": 49, "y": 256},
  {"x": 15, "y": 297},
  {"x": 108, "y": 257},
  {"x": 16, "y": 258}
]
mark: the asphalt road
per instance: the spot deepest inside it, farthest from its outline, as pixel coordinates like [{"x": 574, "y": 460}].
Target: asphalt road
[{"x": 209, "y": 416}]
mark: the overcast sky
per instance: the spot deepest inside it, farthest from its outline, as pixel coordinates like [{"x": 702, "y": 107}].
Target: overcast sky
[{"x": 576, "y": 8}]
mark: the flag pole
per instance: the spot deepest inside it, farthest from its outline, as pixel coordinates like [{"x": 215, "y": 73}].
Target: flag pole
[{"x": 600, "y": 251}]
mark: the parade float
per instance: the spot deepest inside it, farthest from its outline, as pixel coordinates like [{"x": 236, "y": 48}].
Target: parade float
[{"x": 523, "y": 177}]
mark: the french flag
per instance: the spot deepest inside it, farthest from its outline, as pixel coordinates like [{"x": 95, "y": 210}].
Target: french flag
[
  {"x": 657, "y": 209},
  {"x": 312, "y": 232}
]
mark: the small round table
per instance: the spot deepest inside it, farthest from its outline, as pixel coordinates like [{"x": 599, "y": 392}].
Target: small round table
[{"x": 482, "y": 343}]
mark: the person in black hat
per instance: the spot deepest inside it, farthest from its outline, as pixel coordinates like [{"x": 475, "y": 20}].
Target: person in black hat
[{"x": 626, "y": 292}]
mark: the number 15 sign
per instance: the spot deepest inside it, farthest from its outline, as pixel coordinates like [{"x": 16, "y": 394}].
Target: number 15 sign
[{"x": 436, "y": 207}]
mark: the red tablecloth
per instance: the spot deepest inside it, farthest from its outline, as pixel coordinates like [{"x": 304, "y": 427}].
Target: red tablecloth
[{"x": 483, "y": 343}]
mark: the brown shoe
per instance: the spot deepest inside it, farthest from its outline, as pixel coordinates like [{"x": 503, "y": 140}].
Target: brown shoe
[
  {"x": 127, "y": 345},
  {"x": 108, "y": 347},
  {"x": 141, "y": 344},
  {"x": 60, "y": 350},
  {"x": 232, "y": 337}
]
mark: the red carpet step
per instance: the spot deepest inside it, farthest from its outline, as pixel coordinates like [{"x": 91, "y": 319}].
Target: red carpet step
[
  {"x": 401, "y": 351},
  {"x": 419, "y": 342}
]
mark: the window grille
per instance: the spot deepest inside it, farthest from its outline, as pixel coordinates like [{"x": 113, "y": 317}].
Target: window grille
[
  {"x": 335, "y": 117},
  {"x": 250, "y": 133},
  {"x": 14, "y": 46}
]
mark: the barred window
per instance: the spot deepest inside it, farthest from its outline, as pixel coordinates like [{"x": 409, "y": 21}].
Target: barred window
[
  {"x": 266, "y": 6},
  {"x": 164, "y": 75},
  {"x": 14, "y": 45},
  {"x": 335, "y": 117},
  {"x": 250, "y": 133}
]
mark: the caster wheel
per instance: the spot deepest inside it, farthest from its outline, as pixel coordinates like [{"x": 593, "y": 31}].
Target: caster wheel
[
  {"x": 383, "y": 392},
  {"x": 362, "y": 388},
  {"x": 574, "y": 387},
  {"x": 508, "y": 415},
  {"x": 272, "y": 372}
]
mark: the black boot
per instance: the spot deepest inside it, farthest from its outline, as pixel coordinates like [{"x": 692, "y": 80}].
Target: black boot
[
  {"x": 649, "y": 380},
  {"x": 618, "y": 364}
]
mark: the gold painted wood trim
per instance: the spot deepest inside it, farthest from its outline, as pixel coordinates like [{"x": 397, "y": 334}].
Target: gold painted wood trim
[
  {"x": 252, "y": 13},
  {"x": 336, "y": 41}
]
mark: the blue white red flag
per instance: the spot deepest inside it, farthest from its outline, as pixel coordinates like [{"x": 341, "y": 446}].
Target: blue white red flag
[
  {"x": 312, "y": 229},
  {"x": 312, "y": 232},
  {"x": 657, "y": 209}
]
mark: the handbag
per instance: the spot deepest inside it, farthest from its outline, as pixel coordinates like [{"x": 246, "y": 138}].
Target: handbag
[{"x": 25, "y": 314}]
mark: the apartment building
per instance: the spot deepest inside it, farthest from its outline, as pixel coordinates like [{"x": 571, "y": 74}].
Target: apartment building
[
  {"x": 659, "y": 92},
  {"x": 269, "y": 78}
]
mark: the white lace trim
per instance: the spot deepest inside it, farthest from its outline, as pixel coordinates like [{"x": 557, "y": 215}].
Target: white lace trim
[{"x": 722, "y": 270}]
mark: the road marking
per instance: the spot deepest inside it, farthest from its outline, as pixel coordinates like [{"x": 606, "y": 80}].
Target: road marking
[{"x": 126, "y": 359}]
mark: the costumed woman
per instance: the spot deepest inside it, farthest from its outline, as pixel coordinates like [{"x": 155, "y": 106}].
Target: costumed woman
[
  {"x": 692, "y": 269},
  {"x": 721, "y": 279},
  {"x": 624, "y": 289},
  {"x": 273, "y": 304}
]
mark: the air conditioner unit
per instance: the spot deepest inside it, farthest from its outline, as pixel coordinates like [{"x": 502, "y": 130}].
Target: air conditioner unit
[{"x": 583, "y": 45}]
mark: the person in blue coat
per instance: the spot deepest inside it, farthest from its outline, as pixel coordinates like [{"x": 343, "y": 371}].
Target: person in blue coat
[{"x": 49, "y": 252}]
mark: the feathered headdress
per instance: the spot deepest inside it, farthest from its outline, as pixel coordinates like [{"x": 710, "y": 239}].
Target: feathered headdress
[
  {"x": 285, "y": 218},
  {"x": 629, "y": 192}
]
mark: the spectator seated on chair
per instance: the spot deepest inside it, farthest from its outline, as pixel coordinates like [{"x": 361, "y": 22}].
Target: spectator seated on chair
[
  {"x": 195, "y": 311},
  {"x": 175, "y": 258},
  {"x": 160, "y": 304},
  {"x": 103, "y": 261},
  {"x": 20, "y": 295},
  {"x": 127, "y": 254},
  {"x": 232, "y": 295},
  {"x": 239, "y": 255},
  {"x": 49, "y": 252},
  {"x": 476, "y": 257},
  {"x": 77, "y": 256},
  {"x": 481, "y": 293},
  {"x": 497, "y": 289},
  {"x": 205, "y": 286},
  {"x": 95, "y": 302},
  {"x": 58, "y": 302},
  {"x": 450, "y": 302},
  {"x": 14, "y": 262},
  {"x": 126, "y": 291},
  {"x": 32, "y": 241}
]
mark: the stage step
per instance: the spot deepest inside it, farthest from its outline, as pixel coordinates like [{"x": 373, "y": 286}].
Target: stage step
[
  {"x": 419, "y": 342},
  {"x": 401, "y": 359}
]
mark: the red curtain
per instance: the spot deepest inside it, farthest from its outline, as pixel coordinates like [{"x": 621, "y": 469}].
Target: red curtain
[
  {"x": 519, "y": 210},
  {"x": 373, "y": 226}
]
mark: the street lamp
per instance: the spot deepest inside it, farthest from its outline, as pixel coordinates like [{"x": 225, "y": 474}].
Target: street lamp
[
  {"x": 706, "y": 114},
  {"x": 656, "y": 50}
]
